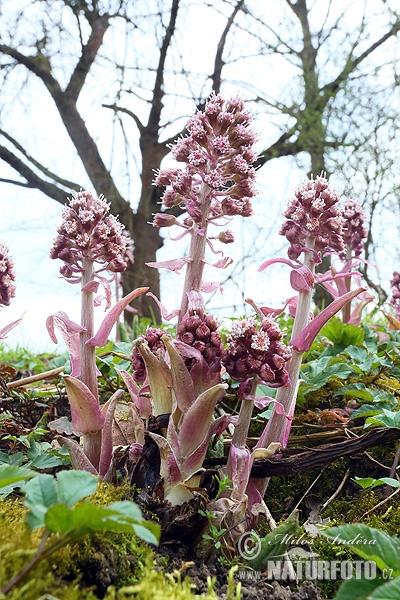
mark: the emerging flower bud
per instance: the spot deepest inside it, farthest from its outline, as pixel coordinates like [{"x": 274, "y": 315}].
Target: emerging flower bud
[
  {"x": 7, "y": 277},
  {"x": 257, "y": 351},
  {"x": 200, "y": 330},
  {"x": 313, "y": 214},
  {"x": 89, "y": 231},
  {"x": 153, "y": 338}
]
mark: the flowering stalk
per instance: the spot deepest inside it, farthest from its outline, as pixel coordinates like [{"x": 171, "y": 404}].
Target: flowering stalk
[
  {"x": 313, "y": 225},
  {"x": 216, "y": 184},
  {"x": 89, "y": 241}
]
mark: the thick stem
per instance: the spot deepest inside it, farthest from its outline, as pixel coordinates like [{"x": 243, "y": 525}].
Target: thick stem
[
  {"x": 240, "y": 434},
  {"x": 91, "y": 441},
  {"x": 278, "y": 427},
  {"x": 346, "y": 310},
  {"x": 88, "y": 353},
  {"x": 195, "y": 268}
]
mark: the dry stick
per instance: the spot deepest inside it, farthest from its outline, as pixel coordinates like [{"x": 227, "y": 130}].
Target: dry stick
[
  {"x": 33, "y": 378},
  {"x": 381, "y": 503},
  {"x": 339, "y": 489}
]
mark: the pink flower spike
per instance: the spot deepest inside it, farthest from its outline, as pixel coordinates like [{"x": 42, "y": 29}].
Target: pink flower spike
[
  {"x": 101, "y": 337},
  {"x": 174, "y": 265},
  {"x": 303, "y": 342},
  {"x": 85, "y": 411},
  {"x": 7, "y": 328},
  {"x": 165, "y": 314}
]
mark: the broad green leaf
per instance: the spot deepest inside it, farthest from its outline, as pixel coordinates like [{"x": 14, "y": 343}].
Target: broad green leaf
[
  {"x": 369, "y": 482},
  {"x": 356, "y": 390},
  {"x": 276, "y": 543},
  {"x": 341, "y": 334},
  {"x": 130, "y": 509},
  {"x": 357, "y": 589},
  {"x": 386, "y": 417},
  {"x": 388, "y": 591},
  {"x": 86, "y": 518},
  {"x": 368, "y": 410},
  {"x": 41, "y": 493},
  {"x": 75, "y": 485},
  {"x": 369, "y": 543},
  {"x": 318, "y": 372},
  {"x": 10, "y": 474},
  {"x": 12, "y": 459}
]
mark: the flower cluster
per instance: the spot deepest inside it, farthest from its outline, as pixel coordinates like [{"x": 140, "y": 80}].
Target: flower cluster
[
  {"x": 200, "y": 330},
  {"x": 89, "y": 231},
  {"x": 257, "y": 351},
  {"x": 153, "y": 338},
  {"x": 313, "y": 219},
  {"x": 353, "y": 228},
  {"x": 218, "y": 153},
  {"x": 395, "y": 299},
  {"x": 7, "y": 277}
]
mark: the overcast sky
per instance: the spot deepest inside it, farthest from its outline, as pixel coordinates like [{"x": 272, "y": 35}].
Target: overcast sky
[{"x": 29, "y": 219}]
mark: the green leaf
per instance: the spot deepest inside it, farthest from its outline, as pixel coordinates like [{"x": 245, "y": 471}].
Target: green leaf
[
  {"x": 12, "y": 459},
  {"x": 357, "y": 589},
  {"x": 388, "y": 591},
  {"x": 10, "y": 474},
  {"x": 318, "y": 372},
  {"x": 386, "y": 417},
  {"x": 86, "y": 518},
  {"x": 41, "y": 493},
  {"x": 356, "y": 390},
  {"x": 367, "y": 410},
  {"x": 341, "y": 334},
  {"x": 276, "y": 543},
  {"x": 369, "y": 543},
  {"x": 369, "y": 482},
  {"x": 75, "y": 485}
]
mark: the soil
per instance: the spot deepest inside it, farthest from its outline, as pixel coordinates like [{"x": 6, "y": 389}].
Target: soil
[{"x": 180, "y": 558}]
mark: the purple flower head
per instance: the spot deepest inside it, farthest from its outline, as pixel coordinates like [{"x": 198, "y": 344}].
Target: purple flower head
[
  {"x": 258, "y": 351},
  {"x": 354, "y": 231},
  {"x": 153, "y": 338},
  {"x": 313, "y": 219},
  {"x": 395, "y": 299},
  {"x": 200, "y": 331},
  {"x": 7, "y": 277},
  {"x": 89, "y": 231},
  {"x": 218, "y": 153}
]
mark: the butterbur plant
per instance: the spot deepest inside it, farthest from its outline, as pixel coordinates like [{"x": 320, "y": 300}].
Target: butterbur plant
[
  {"x": 313, "y": 226},
  {"x": 184, "y": 375},
  {"x": 7, "y": 286},
  {"x": 92, "y": 247}
]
